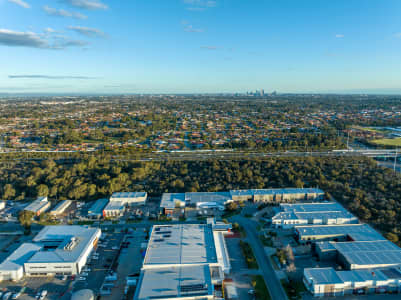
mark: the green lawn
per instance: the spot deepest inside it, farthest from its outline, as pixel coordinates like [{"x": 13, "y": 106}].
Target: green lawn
[
  {"x": 261, "y": 292},
  {"x": 249, "y": 256},
  {"x": 388, "y": 142}
]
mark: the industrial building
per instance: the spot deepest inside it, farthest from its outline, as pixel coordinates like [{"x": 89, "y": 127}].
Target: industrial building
[
  {"x": 38, "y": 206},
  {"x": 130, "y": 198},
  {"x": 278, "y": 195},
  {"x": 96, "y": 210},
  {"x": 370, "y": 263},
  {"x": 202, "y": 201},
  {"x": 325, "y": 213},
  {"x": 183, "y": 261},
  {"x": 361, "y": 254},
  {"x": 368, "y": 254},
  {"x": 114, "y": 209},
  {"x": 118, "y": 203},
  {"x": 323, "y": 282},
  {"x": 347, "y": 232},
  {"x": 61, "y": 207},
  {"x": 171, "y": 201},
  {"x": 207, "y": 201},
  {"x": 56, "y": 250}
]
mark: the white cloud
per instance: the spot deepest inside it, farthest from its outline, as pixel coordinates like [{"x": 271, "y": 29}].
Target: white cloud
[
  {"x": 86, "y": 4},
  {"x": 339, "y": 36},
  {"x": 86, "y": 31},
  {"x": 21, "y": 39},
  {"x": 190, "y": 28},
  {"x": 209, "y": 47},
  {"x": 63, "y": 13},
  {"x": 20, "y": 3},
  {"x": 29, "y": 39},
  {"x": 199, "y": 5},
  {"x": 47, "y": 77}
]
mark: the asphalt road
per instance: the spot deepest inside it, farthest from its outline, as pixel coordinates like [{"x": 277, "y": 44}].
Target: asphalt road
[
  {"x": 221, "y": 155},
  {"x": 272, "y": 282}
]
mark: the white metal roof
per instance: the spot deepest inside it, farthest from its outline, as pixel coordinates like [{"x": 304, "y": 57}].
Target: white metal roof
[
  {"x": 370, "y": 252},
  {"x": 60, "y": 236},
  {"x": 322, "y": 275},
  {"x": 217, "y": 197},
  {"x": 330, "y": 276},
  {"x": 180, "y": 244},
  {"x": 37, "y": 205},
  {"x": 115, "y": 205},
  {"x": 56, "y": 236},
  {"x": 169, "y": 200},
  {"x": 358, "y": 232},
  {"x": 174, "y": 282}
]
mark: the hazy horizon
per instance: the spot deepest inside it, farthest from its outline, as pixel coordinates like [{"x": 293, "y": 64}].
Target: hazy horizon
[{"x": 199, "y": 46}]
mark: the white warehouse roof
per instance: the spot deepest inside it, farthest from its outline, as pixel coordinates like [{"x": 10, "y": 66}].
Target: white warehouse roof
[
  {"x": 357, "y": 232},
  {"x": 174, "y": 282},
  {"x": 370, "y": 253},
  {"x": 181, "y": 244}
]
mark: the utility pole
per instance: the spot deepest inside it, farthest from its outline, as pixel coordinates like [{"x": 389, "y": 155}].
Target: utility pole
[{"x": 348, "y": 141}]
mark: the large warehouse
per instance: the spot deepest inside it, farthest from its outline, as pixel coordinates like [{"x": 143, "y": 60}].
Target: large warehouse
[
  {"x": 55, "y": 250},
  {"x": 368, "y": 254},
  {"x": 346, "y": 232},
  {"x": 277, "y": 195},
  {"x": 183, "y": 261},
  {"x": 218, "y": 200},
  {"x": 323, "y": 282},
  {"x": 325, "y": 213},
  {"x": 200, "y": 201}
]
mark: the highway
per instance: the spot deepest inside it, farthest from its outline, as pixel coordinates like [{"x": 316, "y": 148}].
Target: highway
[
  {"x": 272, "y": 282},
  {"x": 207, "y": 155},
  {"x": 232, "y": 155}
]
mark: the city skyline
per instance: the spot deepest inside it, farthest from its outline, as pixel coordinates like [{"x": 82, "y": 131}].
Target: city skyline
[{"x": 199, "y": 46}]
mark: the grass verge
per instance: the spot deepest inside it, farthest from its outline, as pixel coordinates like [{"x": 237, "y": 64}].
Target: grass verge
[
  {"x": 249, "y": 256},
  {"x": 293, "y": 289},
  {"x": 261, "y": 291}
]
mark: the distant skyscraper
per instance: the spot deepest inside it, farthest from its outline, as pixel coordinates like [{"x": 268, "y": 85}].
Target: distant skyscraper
[{"x": 262, "y": 92}]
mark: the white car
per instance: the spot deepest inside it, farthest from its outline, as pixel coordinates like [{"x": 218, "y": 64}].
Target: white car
[
  {"x": 81, "y": 278},
  {"x": 43, "y": 295}
]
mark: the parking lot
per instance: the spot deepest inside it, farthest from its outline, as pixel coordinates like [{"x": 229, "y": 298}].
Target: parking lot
[
  {"x": 129, "y": 263},
  {"x": 55, "y": 287},
  {"x": 100, "y": 263}
]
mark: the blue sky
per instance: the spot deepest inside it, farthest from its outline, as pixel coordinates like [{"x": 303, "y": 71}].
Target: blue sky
[{"x": 181, "y": 46}]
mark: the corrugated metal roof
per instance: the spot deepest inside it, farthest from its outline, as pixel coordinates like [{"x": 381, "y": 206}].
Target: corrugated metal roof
[
  {"x": 370, "y": 252},
  {"x": 174, "y": 282},
  {"x": 322, "y": 275},
  {"x": 181, "y": 244}
]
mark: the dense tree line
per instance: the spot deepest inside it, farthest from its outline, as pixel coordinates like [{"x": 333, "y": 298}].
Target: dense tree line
[{"x": 369, "y": 191}]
